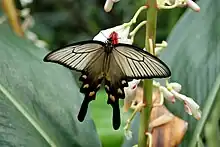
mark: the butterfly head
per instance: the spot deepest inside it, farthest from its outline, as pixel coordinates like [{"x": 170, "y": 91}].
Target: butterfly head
[{"x": 113, "y": 38}]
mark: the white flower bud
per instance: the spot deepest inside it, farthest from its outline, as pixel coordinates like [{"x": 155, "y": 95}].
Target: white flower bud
[
  {"x": 25, "y": 12},
  {"x": 192, "y": 108},
  {"x": 193, "y": 5},
  {"x": 109, "y": 4},
  {"x": 130, "y": 93},
  {"x": 175, "y": 86},
  {"x": 167, "y": 94},
  {"x": 25, "y": 2},
  {"x": 41, "y": 44},
  {"x": 31, "y": 36}
]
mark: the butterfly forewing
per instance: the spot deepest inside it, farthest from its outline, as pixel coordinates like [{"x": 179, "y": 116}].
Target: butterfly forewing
[
  {"x": 76, "y": 56},
  {"x": 139, "y": 64}
]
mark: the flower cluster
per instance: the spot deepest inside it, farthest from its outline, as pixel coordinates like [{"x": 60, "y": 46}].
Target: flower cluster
[
  {"x": 161, "y": 4},
  {"x": 171, "y": 93},
  {"x": 170, "y": 4}
]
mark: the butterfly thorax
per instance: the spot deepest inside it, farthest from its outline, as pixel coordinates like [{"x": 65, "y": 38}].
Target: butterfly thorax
[
  {"x": 108, "y": 46},
  {"x": 111, "y": 41},
  {"x": 114, "y": 38}
]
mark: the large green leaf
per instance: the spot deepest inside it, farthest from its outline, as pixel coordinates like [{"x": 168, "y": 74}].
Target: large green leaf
[
  {"x": 193, "y": 54},
  {"x": 38, "y": 101}
]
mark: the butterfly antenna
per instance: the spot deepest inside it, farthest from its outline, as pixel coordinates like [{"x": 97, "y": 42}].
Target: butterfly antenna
[{"x": 104, "y": 35}]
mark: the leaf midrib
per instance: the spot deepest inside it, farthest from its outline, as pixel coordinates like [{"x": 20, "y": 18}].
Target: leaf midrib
[{"x": 30, "y": 118}]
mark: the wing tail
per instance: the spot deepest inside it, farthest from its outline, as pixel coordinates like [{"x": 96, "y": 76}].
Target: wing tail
[
  {"x": 116, "y": 120},
  {"x": 83, "y": 109}
]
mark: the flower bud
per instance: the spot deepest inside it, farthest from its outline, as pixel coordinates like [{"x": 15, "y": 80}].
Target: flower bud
[
  {"x": 175, "y": 86},
  {"x": 130, "y": 93},
  {"x": 193, "y": 5},
  {"x": 109, "y": 4},
  {"x": 25, "y": 2},
  {"x": 40, "y": 43},
  {"x": 167, "y": 94},
  {"x": 192, "y": 108},
  {"x": 31, "y": 36}
]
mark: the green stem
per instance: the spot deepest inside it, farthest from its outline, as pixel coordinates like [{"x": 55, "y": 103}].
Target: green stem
[{"x": 148, "y": 84}]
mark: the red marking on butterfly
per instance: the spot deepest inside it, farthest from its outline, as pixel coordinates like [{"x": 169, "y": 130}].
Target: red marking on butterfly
[{"x": 114, "y": 37}]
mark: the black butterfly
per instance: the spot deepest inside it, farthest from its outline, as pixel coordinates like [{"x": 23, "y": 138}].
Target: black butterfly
[{"x": 109, "y": 62}]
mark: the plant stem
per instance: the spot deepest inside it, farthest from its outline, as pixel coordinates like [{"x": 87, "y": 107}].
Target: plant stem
[
  {"x": 148, "y": 84},
  {"x": 11, "y": 12}
]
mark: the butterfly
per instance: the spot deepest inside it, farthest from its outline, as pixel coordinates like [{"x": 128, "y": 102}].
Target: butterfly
[{"x": 111, "y": 63}]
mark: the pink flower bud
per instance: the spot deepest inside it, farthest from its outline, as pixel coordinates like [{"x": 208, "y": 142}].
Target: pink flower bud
[{"x": 193, "y": 5}]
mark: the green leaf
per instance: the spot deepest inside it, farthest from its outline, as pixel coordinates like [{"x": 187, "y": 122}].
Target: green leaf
[
  {"x": 39, "y": 101},
  {"x": 193, "y": 54}
]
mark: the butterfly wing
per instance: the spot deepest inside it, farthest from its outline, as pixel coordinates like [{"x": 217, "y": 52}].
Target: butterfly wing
[
  {"x": 86, "y": 57},
  {"x": 129, "y": 62},
  {"x": 136, "y": 63}
]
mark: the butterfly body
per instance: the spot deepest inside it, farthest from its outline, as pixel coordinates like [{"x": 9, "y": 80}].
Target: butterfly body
[{"x": 111, "y": 63}]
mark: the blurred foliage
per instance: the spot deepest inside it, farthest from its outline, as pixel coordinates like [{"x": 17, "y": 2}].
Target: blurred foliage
[
  {"x": 35, "y": 96},
  {"x": 61, "y": 22}
]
